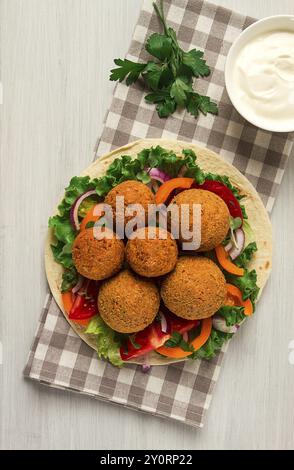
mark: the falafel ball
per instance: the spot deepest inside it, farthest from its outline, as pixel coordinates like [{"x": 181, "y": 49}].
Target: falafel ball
[
  {"x": 128, "y": 303},
  {"x": 133, "y": 192},
  {"x": 196, "y": 289},
  {"x": 215, "y": 216},
  {"x": 95, "y": 258},
  {"x": 152, "y": 252}
]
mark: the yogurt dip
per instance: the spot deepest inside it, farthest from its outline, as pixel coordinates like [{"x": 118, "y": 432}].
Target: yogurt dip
[{"x": 263, "y": 79}]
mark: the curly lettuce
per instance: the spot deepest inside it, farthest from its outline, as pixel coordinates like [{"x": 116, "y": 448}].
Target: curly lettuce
[{"x": 108, "y": 341}]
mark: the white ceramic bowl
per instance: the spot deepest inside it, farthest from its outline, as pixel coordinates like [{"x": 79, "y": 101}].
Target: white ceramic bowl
[{"x": 266, "y": 25}]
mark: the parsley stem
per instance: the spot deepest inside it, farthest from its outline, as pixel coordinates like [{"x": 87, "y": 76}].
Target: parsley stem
[{"x": 160, "y": 14}]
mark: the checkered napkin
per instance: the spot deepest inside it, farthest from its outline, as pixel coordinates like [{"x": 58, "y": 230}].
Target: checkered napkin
[{"x": 182, "y": 392}]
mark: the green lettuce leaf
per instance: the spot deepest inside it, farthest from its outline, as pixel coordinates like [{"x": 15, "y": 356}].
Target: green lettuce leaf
[
  {"x": 108, "y": 342},
  {"x": 249, "y": 233},
  {"x": 69, "y": 279},
  {"x": 192, "y": 169},
  {"x": 246, "y": 256},
  {"x": 62, "y": 254},
  {"x": 104, "y": 184},
  {"x": 62, "y": 228},
  {"x": 77, "y": 186},
  {"x": 232, "y": 314},
  {"x": 247, "y": 284}
]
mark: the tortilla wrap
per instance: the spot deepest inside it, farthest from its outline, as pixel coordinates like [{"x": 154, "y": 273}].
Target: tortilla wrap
[{"x": 208, "y": 161}]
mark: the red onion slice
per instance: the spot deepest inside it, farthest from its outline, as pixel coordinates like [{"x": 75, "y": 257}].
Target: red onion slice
[
  {"x": 163, "y": 322},
  {"x": 240, "y": 241},
  {"x": 229, "y": 246},
  {"x": 146, "y": 368},
  {"x": 158, "y": 175},
  {"x": 78, "y": 285},
  {"x": 74, "y": 212},
  {"x": 219, "y": 323},
  {"x": 185, "y": 336}
]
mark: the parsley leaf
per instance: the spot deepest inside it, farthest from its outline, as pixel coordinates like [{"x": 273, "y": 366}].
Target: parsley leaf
[
  {"x": 152, "y": 75},
  {"x": 194, "y": 60},
  {"x": 165, "y": 104},
  {"x": 160, "y": 46},
  {"x": 170, "y": 75},
  {"x": 179, "y": 91},
  {"x": 177, "y": 340},
  {"x": 198, "y": 103},
  {"x": 133, "y": 342},
  {"x": 128, "y": 70},
  {"x": 157, "y": 97},
  {"x": 166, "y": 108}
]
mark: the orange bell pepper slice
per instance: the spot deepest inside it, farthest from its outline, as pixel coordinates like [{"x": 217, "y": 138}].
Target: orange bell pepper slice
[
  {"x": 168, "y": 187},
  {"x": 197, "y": 343},
  {"x": 224, "y": 260},
  {"x": 68, "y": 301},
  {"x": 234, "y": 297}
]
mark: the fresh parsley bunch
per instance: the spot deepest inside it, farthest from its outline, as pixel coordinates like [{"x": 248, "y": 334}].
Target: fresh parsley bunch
[{"x": 170, "y": 77}]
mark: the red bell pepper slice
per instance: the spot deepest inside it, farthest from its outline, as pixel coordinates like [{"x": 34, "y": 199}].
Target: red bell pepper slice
[{"x": 225, "y": 194}]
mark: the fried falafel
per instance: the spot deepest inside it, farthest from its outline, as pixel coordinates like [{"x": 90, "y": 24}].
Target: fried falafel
[
  {"x": 95, "y": 258},
  {"x": 152, "y": 252},
  {"x": 196, "y": 288},
  {"x": 215, "y": 216},
  {"x": 133, "y": 192},
  {"x": 128, "y": 303}
]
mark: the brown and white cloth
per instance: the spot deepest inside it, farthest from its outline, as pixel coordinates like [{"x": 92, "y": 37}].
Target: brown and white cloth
[{"x": 58, "y": 357}]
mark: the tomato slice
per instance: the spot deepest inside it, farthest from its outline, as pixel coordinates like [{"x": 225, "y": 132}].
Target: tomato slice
[
  {"x": 85, "y": 303},
  {"x": 153, "y": 337},
  {"x": 145, "y": 341},
  {"x": 225, "y": 194},
  {"x": 68, "y": 299},
  {"x": 179, "y": 324}
]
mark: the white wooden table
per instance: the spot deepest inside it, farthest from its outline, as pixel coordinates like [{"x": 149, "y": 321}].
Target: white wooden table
[{"x": 55, "y": 60}]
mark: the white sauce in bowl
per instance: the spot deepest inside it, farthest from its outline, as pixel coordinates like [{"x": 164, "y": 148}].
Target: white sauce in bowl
[{"x": 263, "y": 78}]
